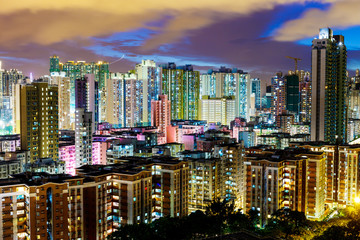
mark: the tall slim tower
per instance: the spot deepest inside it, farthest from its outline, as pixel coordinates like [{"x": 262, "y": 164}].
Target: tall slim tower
[
  {"x": 83, "y": 137},
  {"x": 150, "y": 76},
  {"x": 329, "y": 83},
  {"x": 161, "y": 115}
]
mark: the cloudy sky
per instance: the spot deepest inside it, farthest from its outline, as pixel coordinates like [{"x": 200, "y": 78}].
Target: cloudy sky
[{"x": 253, "y": 35}]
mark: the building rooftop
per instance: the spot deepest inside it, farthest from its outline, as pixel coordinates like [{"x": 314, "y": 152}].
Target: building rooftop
[
  {"x": 276, "y": 155},
  {"x": 36, "y": 179}
]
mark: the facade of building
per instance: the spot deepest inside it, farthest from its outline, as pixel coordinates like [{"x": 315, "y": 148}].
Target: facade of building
[
  {"x": 150, "y": 75},
  {"x": 182, "y": 86},
  {"x": 203, "y": 182},
  {"x": 217, "y": 110},
  {"x": 67, "y": 154},
  {"x": 161, "y": 117},
  {"x": 292, "y": 94},
  {"x": 231, "y": 172},
  {"x": 284, "y": 121},
  {"x": 341, "y": 175},
  {"x": 8, "y": 80},
  {"x": 44, "y": 206},
  {"x": 63, "y": 83},
  {"x": 278, "y": 94},
  {"x": 36, "y": 114},
  {"x": 305, "y": 97},
  {"x": 77, "y": 70},
  {"x": 83, "y": 137},
  {"x": 329, "y": 88},
  {"x": 292, "y": 179},
  {"x": 99, "y": 149},
  {"x": 115, "y": 88},
  {"x": 256, "y": 91},
  {"x": 10, "y": 143}
]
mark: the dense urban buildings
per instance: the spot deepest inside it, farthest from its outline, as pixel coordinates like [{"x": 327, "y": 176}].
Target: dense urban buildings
[{"x": 84, "y": 151}]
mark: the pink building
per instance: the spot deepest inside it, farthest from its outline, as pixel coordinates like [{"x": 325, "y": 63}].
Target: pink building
[
  {"x": 161, "y": 117},
  {"x": 99, "y": 153},
  {"x": 176, "y": 133},
  {"x": 189, "y": 141},
  {"x": 67, "y": 155}
]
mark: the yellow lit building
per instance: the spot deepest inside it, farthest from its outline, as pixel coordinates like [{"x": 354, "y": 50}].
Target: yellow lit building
[
  {"x": 293, "y": 178},
  {"x": 203, "y": 183},
  {"x": 214, "y": 110},
  {"x": 36, "y": 114},
  {"x": 342, "y": 170}
]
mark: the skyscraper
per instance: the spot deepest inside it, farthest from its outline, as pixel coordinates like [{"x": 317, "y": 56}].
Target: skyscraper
[
  {"x": 83, "y": 137},
  {"x": 278, "y": 94},
  {"x": 292, "y": 94},
  {"x": 354, "y": 97},
  {"x": 115, "y": 89},
  {"x": 227, "y": 82},
  {"x": 63, "y": 83},
  {"x": 86, "y": 94},
  {"x": 305, "y": 97},
  {"x": 182, "y": 86},
  {"x": 36, "y": 117},
  {"x": 161, "y": 116},
  {"x": 150, "y": 76},
  {"x": 77, "y": 70},
  {"x": 256, "y": 90},
  {"x": 329, "y": 85},
  {"x": 8, "y": 79},
  {"x": 214, "y": 110}
]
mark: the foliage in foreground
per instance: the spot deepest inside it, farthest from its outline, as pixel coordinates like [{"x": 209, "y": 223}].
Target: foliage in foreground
[{"x": 221, "y": 218}]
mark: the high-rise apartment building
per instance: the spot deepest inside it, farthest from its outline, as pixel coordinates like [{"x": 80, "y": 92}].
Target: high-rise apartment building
[
  {"x": 83, "y": 137},
  {"x": 77, "y": 70},
  {"x": 292, "y": 94},
  {"x": 36, "y": 115},
  {"x": 227, "y": 82},
  {"x": 231, "y": 172},
  {"x": 208, "y": 84},
  {"x": 354, "y": 97},
  {"x": 133, "y": 100},
  {"x": 284, "y": 121},
  {"x": 150, "y": 75},
  {"x": 86, "y": 96},
  {"x": 256, "y": 91},
  {"x": 115, "y": 88},
  {"x": 161, "y": 116},
  {"x": 217, "y": 110},
  {"x": 341, "y": 176},
  {"x": 63, "y": 83},
  {"x": 329, "y": 88},
  {"x": 278, "y": 94},
  {"x": 293, "y": 178},
  {"x": 124, "y": 100},
  {"x": 8, "y": 79},
  {"x": 204, "y": 182},
  {"x": 44, "y": 206},
  {"x": 305, "y": 97},
  {"x": 182, "y": 86}
]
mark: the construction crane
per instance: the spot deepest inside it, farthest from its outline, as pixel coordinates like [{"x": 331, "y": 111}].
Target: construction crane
[{"x": 296, "y": 62}]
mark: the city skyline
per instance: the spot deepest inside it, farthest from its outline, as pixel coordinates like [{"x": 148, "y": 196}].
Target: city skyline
[
  {"x": 201, "y": 120},
  {"x": 252, "y": 36}
]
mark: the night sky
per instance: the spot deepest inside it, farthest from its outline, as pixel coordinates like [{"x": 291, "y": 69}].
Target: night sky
[{"x": 253, "y": 35}]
